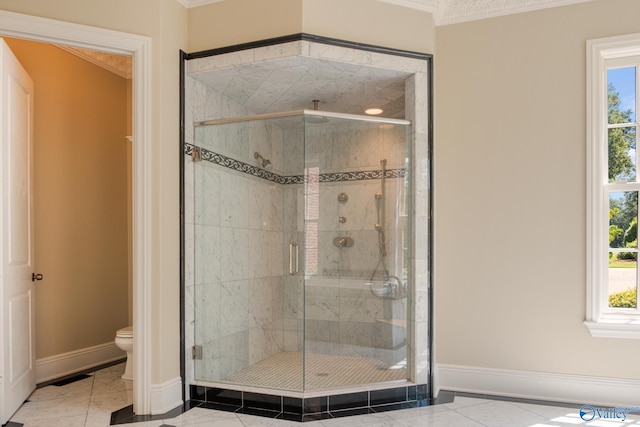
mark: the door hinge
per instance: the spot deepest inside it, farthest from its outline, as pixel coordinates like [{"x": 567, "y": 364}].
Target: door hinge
[
  {"x": 196, "y": 352},
  {"x": 196, "y": 154}
]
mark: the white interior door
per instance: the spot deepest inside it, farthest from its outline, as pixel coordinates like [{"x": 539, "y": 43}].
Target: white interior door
[{"x": 17, "y": 341}]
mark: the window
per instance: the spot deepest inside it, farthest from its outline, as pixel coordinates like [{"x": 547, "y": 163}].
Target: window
[{"x": 613, "y": 73}]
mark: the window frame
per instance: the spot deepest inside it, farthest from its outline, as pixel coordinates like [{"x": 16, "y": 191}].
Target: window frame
[{"x": 602, "y": 55}]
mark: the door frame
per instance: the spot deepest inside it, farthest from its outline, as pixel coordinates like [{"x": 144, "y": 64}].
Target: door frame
[{"x": 139, "y": 47}]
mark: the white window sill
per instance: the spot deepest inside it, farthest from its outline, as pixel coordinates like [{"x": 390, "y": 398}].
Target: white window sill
[{"x": 614, "y": 329}]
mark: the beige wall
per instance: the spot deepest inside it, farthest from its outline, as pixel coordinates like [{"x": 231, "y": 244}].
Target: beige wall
[
  {"x": 240, "y": 21},
  {"x": 80, "y": 199},
  {"x": 370, "y": 22},
  {"x": 165, "y": 22},
  {"x": 510, "y": 192}
]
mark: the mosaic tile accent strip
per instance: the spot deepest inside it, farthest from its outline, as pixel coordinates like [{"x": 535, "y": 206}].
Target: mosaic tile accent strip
[{"x": 238, "y": 166}]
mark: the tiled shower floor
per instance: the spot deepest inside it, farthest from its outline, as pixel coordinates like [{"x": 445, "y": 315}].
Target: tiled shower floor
[{"x": 321, "y": 371}]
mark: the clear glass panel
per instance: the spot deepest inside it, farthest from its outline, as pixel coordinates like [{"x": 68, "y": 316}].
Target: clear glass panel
[
  {"x": 623, "y": 277},
  {"x": 623, "y": 253},
  {"x": 621, "y": 95},
  {"x": 622, "y": 154},
  {"x": 247, "y": 307},
  {"x": 357, "y": 252},
  {"x": 623, "y": 219}
]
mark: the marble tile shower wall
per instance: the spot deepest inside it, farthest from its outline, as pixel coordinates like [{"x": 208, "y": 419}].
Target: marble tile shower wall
[{"x": 234, "y": 292}]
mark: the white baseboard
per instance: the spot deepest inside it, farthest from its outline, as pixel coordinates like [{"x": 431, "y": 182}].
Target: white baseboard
[
  {"x": 60, "y": 365},
  {"x": 539, "y": 385},
  {"x": 166, "y": 396}
]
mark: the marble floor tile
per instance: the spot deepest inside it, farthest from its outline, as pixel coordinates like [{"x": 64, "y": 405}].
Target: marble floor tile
[
  {"x": 112, "y": 385},
  {"x": 206, "y": 421},
  {"x": 156, "y": 423},
  {"x": 75, "y": 421},
  {"x": 103, "y": 405},
  {"x": 417, "y": 412},
  {"x": 254, "y": 421},
  {"x": 198, "y": 416},
  {"x": 463, "y": 401},
  {"x": 53, "y": 408},
  {"x": 550, "y": 412},
  {"x": 501, "y": 414},
  {"x": 78, "y": 388},
  {"x": 441, "y": 419},
  {"x": 359, "y": 420}
]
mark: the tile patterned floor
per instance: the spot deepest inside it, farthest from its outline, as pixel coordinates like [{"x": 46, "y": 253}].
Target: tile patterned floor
[{"x": 90, "y": 402}]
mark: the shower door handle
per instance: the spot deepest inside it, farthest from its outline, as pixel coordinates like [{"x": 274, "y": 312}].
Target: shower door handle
[{"x": 293, "y": 258}]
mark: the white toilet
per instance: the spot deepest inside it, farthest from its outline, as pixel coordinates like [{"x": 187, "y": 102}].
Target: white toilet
[{"x": 124, "y": 340}]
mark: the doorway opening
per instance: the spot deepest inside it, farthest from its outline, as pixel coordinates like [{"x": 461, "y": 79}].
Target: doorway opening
[
  {"x": 82, "y": 204},
  {"x": 138, "y": 47}
]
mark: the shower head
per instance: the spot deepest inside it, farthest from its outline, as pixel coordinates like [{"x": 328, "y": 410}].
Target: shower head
[{"x": 262, "y": 162}]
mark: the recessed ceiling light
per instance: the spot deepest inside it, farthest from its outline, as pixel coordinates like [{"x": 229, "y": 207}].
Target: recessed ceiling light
[{"x": 373, "y": 111}]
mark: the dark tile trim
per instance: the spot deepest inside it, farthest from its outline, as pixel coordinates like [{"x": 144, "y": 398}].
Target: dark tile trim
[
  {"x": 314, "y": 408},
  {"x": 70, "y": 380},
  {"x": 340, "y": 402},
  {"x": 311, "y": 38},
  {"x": 12, "y": 424}
]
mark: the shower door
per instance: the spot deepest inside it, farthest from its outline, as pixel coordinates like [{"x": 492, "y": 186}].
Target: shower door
[{"x": 356, "y": 251}]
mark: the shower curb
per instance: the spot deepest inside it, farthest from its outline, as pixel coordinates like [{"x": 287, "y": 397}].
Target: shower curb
[{"x": 303, "y": 409}]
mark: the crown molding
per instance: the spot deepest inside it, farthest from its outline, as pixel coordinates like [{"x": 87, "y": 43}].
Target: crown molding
[
  {"x": 457, "y": 11},
  {"x": 448, "y": 12},
  {"x": 118, "y": 64},
  {"x": 422, "y": 5},
  {"x": 195, "y": 3}
]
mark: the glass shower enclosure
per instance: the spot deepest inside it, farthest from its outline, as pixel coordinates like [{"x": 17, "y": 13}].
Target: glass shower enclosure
[{"x": 302, "y": 251}]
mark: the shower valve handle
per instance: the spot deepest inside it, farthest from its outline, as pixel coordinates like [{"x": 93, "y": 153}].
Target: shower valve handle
[{"x": 343, "y": 242}]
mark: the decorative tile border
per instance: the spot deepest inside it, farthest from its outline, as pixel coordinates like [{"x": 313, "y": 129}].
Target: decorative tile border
[{"x": 238, "y": 166}]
